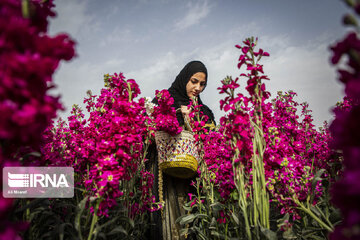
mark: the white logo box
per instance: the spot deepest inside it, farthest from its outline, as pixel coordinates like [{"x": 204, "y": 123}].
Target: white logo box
[{"x": 38, "y": 182}]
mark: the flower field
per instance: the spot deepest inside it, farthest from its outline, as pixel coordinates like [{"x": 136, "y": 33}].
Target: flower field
[{"x": 265, "y": 171}]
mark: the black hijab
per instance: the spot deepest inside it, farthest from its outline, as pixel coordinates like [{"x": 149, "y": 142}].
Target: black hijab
[{"x": 178, "y": 89}]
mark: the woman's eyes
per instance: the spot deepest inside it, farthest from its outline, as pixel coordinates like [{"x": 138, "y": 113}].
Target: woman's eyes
[{"x": 194, "y": 81}]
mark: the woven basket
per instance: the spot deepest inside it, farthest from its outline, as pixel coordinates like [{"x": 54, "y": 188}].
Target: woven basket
[{"x": 177, "y": 154}]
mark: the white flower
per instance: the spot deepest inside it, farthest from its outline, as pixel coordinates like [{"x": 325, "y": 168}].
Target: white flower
[{"x": 149, "y": 105}]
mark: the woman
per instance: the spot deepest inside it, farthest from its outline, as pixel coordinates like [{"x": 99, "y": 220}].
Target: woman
[{"x": 189, "y": 83}]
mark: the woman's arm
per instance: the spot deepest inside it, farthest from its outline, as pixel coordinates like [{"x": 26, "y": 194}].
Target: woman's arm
[{"x": 185, "y": 112}]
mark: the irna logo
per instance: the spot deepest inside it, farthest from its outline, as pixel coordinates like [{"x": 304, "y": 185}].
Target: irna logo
[{"x": 37, "y": 180}]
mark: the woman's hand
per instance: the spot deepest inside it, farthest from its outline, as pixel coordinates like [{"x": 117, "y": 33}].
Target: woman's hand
[{"x": 185, "y": 110}]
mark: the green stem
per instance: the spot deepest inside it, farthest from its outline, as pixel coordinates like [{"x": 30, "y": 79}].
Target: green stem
[
  {"x": 25, "y": 8},
  {"x": 247, "y": 225},
  {"x": 308, "y": 211},
  {"x": 312, "y": 165},
  {"x": 129, "y": 91},
  {"x": 261, "y": 199},
  {"x": 28, "y": 211},
  {"x": 243, "y": 203},
  {"x": 323, "y": 215},
  {"x": 212, "y": 193},
  {"x": 94, "y": 220},
  {"x": 226, "y": 231}
]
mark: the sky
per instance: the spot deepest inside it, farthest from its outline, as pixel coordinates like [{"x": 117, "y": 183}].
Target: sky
[{"x": 152, "y": 40}]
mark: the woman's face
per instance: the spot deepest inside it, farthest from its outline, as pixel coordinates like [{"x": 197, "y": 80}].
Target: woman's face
[{"x": 196, "y": 84}]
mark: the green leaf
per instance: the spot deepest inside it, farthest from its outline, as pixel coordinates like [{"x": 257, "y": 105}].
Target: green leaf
[
  {"x": 213, "y": 223},
  {"x": 62, "y": 230},
  {"x": 310, "y": 232},
  {"x": 46, "y": 235},
  {"x": 335, "y": 216},
  {"x": 235, "y": 217},
  {"x": 31, "y": 154},
  {"x": 187, "y": 208},
  {"x": 131, "y": 222},
  {"x": 186, "y": 219},
  {"x": 216, "y": 234},
  {"x": 234, "y": 195},
  {"x": 184, "y": 231},
  {"x": 313, "y": 236},
  {"x": 283, "y": 221},
  {"x": 316, "y": 211},
  {"x": 289, "y": 234},
  {"x": 314, "y": 181},
  {"x": 204, "y": 217},
  {"x": 118, "y": 230},
  {"x": 270, "y": 235},
  {"x": 200, "y": 233},
  {"x": 38, "y": 202},
  {"x": 107, "y": 223},
  {"x": 127, "y": 220},
  {"x": 80, "y": 209},
  {"x": 217, "y": 206},
  {"x": 101, "y": 236}
]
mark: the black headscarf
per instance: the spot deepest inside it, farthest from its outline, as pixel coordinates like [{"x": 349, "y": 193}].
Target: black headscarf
[{"x": 178, "y": 89}]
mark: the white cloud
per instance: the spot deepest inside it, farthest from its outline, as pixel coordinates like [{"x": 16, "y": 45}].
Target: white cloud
[
  {"x": 112, "y": 11},
  {"x": 219, "y": 60},
  {"x": 303, "y": 68},
  {"x": 116, "y": 36},
  {"x": 159, "y": 75},
  {"x": 121, "y": 36},
  {"x": 196, "y": 12},
  {"x": 75, "y": 78},
  {"x": 248, "y": 29},
  {"x": 306, "y": 70},
  {"x": 73, "y": 18}
]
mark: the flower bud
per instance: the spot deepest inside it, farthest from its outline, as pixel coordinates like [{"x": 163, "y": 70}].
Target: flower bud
[
  {"x": 350, "y": 20},
  {"x": 350, "y": 3}
]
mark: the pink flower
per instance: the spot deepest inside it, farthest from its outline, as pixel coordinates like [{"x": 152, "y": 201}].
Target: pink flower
[
  {"x": 107, "y": 148},
  {"x": 164, "y": 115}
]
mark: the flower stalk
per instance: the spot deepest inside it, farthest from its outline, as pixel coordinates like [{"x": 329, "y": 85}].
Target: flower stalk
[{"x": 94, "y": 220}]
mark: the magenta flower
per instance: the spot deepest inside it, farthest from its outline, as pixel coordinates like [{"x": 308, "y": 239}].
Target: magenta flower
[
  {"x": 295, "y": 150},
  {"x": 107, "y": 148},
  {"x": 164, "y": 115},
  {"x": 28, "y": 59}
]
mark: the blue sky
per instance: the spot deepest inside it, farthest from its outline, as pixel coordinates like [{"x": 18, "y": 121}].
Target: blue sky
[{"x": 151, "y": 40}]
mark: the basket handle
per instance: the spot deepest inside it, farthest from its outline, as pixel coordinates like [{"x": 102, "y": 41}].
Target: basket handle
[{"x": 186, "y": 121}]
